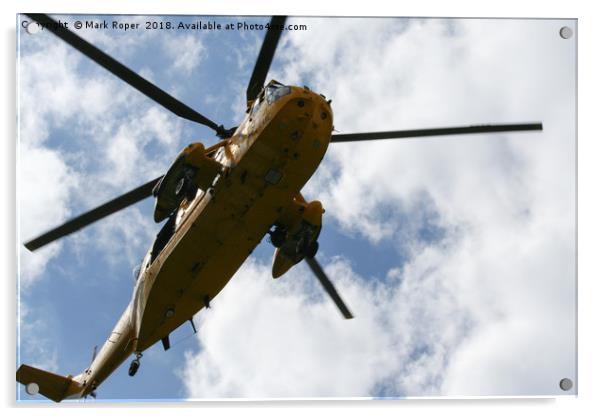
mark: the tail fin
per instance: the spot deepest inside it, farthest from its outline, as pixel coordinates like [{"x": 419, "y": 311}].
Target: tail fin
[{"x": 51, "y": 385}]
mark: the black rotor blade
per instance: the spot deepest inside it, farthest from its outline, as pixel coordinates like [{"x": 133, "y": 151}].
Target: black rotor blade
[
  {"x": 264, "y": 60},
  {"x": 145, "y": 87},
  {"x": 405, "y": 134},
  {"x": 93, "y": 215},
  {"x": 328, "y": 286}
]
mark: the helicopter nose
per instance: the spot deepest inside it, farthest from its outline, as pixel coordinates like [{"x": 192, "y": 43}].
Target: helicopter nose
[{"x": 313, "y": 111}]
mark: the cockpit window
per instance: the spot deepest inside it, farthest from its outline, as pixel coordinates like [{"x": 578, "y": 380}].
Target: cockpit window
[
  {"x": 257, "y": 104},
  {"x": 275, "y": 91}
]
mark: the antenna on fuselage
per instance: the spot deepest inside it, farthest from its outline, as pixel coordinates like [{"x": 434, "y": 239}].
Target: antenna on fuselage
[{"x": 192, "y": 323}]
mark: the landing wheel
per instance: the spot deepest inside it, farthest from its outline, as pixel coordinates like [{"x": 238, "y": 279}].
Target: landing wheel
[
  {"x": 134, "y": 365},
  {"x": 181, "y": 186},
  {"x": 311, "y": 250},
  {"x": 185, "y": 188}
]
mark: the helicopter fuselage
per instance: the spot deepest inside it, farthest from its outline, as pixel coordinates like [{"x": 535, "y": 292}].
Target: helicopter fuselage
[{"x": 266, "y": 162}]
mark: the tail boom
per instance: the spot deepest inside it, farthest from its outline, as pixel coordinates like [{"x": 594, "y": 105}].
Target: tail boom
[{"x": 53, "y": 386}]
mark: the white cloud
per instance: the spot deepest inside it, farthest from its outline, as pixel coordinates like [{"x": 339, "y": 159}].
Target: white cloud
[
  {"x": 35, "y": 339},
  {"x": 488, "y": 307},
  {"x": 262, "y": 336},
  {"x": 123, "y": 236},
  {"x": 126, "y": 158},
  {"x": 285, "y": 338},
  {"x": 44, "y": 187},
  {"x": 186, "y": 52}
]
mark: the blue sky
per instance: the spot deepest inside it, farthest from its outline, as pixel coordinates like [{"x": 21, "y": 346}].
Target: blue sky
[{"x": 439, "y": 246}]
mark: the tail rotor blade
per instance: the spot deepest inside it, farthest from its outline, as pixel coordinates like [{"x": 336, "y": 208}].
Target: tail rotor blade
[{"x": 328, "y": 286}]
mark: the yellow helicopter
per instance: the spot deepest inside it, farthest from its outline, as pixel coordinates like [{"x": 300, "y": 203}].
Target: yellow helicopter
[{"x": 217, "y": 203}]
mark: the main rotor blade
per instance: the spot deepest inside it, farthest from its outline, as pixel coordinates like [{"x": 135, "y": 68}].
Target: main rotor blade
[
  {"x": 145, "y": 87},
  {"x": 93, "y": 215},
  {"x": 328, "y": 286},
  {"x": 264, "y": 60},
  {"x": 405, "y": 134}
]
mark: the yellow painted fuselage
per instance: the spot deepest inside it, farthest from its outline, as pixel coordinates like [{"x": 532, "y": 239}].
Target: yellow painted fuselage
[{"x": 267, "y": 161}]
